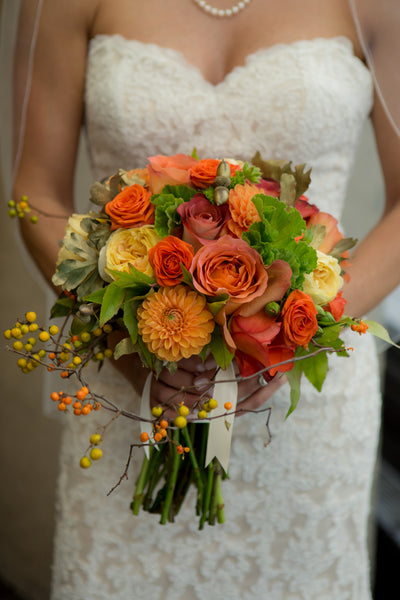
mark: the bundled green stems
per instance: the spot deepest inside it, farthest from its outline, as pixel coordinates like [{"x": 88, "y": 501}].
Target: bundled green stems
[{"x": 174, "y": 466}]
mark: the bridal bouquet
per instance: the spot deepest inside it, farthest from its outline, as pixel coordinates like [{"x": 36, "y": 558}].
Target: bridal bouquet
[{"x": 191, "y": 257}]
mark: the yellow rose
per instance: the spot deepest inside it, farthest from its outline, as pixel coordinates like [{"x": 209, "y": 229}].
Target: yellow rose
[
  {"x": 325, "y": 281},
  {"x": 128, "y": 247}
]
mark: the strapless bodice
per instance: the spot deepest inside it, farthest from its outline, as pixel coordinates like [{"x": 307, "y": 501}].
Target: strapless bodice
[{"x": 305, "y": 101}]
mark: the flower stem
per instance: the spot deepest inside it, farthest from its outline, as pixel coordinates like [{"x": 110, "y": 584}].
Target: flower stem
[
  {"x": 171, "y": 481},
  {"x": 207, "y": 495},
  {"x": 141, "y": 482},
  {"x": 154, "y": 475}
]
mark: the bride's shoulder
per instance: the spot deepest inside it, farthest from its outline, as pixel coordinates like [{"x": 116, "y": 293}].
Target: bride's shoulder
[{"x": 59, "y": 16}]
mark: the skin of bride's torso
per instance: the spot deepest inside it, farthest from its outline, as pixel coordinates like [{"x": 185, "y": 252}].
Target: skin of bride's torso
[{"x": 217, "y": 45}]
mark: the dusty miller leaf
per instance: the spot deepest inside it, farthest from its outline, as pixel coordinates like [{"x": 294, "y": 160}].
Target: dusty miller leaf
[
  {"x": 288, "y": 189},
  {"x": 99, "y": 194}
]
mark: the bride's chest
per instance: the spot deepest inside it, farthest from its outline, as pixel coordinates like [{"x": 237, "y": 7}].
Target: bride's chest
[{"x": 304, "y": 92}]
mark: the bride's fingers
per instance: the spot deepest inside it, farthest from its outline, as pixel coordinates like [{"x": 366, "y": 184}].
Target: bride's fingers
[
  {"x": 260, "y": 395},
  {"x": 169, "y": 399}
]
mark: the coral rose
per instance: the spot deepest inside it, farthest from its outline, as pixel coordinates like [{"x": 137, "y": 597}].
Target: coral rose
[
  {"x": 306, "y": 209},
  {"x": 202, "y": 221},
  {"x": 229, "y": 266},
  {"x": 127, "y": 247},
  {"x": 269, "y": 187},
  {"x": 131, "y": 208},
  {"x": 204, "y": 172},
  {"x": 169, "y": 170},
  {"x": 242, "y": 209},
  {"x": 259, "y": 344},
  {"x": 167, "y": 258},
  {"x": 325, "y": 281},
  {"x": 332, "y": 233},
  {"x": 175, "y": 323},
  {"x": 299, "y": 317}
]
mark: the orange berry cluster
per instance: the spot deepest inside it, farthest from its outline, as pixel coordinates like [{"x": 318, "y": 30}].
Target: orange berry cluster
[
  {"x": 80, "y": 406},
  {"x": 360, "y": 328}
]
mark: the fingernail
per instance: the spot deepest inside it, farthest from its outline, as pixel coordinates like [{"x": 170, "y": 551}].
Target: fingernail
[
  {"x": 210, "y": 364},
  {"x": 201, "y": 367},
  {"x": 201, "y": 381}
]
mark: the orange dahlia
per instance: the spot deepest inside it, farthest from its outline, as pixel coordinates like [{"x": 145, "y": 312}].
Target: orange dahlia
[
  {"x": 242, "y": 209},
  {"x": 175, "y": 323}
]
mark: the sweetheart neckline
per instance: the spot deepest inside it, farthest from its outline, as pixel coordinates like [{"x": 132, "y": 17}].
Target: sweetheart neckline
[{"x": 343, "y": 40}]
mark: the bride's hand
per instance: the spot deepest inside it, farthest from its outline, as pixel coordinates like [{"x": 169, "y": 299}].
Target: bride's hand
[{"x": 193, "y": 372}]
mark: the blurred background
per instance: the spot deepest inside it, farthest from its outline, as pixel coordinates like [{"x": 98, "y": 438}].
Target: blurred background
[{"x": 30, "y": 433}]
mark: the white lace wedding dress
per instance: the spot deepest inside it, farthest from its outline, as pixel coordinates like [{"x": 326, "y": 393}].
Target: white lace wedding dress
[{"x": 296, "y": 511}]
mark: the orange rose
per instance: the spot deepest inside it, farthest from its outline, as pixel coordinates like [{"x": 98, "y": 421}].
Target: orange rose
[
  {"x": 169, "y": 170},
  {"x": 299, "y": 317},
  {"x": 336, "y": 306},
  {"x": 131, "y": 208},
  {"x": 203, "y": 173},
  {"x": 242, "y": 209},
  {"x": 166, "y": 258},
  {"x": 229, "y": 266}
]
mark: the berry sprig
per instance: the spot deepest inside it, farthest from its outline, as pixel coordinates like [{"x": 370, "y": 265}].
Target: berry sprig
[{"x": 21, "y": 209}]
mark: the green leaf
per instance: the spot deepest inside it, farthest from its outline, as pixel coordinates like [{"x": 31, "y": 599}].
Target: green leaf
[
  {"x": 219, "y": 350},
  {"x": 315, "y": 368},
  {"x": 130, "y": 320},
  {"x": 217, "y": 304},
  {"x": 172, "y": 367},
  {"x": 380, "y": 332},
  {"x": 294, "y": 378},
  {"x": 167, "y": 219},
  {"x": 61, "y": 308},
  {"x": 147, "y": 357},
  {"x": 90, "y": 284},
  {"x": 194, "y": 154},
  {"x": 78, "y": 325},
  {"x": 187, "y": 277},
  {"x": 181, "y": 192},
  {"x": 275, "y": 237},
  {"x": 330, "y": 335},
  {"x": 209, "y": 194},
  {"x": 112, "y": 302},
  {"x": 125, "y": 346},
  {"x": 126, "y": 280},
  {"x": 96, "y": 297}
]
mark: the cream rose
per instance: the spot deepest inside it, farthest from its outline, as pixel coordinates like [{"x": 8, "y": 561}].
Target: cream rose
[
  {"x": 128, "y": 247},
  {"x": 325, "y": 281}
]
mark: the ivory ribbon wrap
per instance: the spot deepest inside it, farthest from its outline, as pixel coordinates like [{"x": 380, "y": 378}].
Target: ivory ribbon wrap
[
  {"x": 145, "y": 412},
  {"x": 220, "y": 431}
]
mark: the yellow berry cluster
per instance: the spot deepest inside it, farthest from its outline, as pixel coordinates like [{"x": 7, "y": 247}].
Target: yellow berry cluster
[
  {"x": 95, "y": 453},
  {"x": 20, "y": 209},
  {"x": 207, "y": 407},
  {"x": 25, "y": 327}
]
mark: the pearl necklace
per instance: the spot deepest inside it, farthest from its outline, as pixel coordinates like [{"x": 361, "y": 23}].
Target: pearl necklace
[{"x": 222, "y": 12}]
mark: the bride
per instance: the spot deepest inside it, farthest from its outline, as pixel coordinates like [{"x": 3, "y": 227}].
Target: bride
[{"x": 158, "y": 77}]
